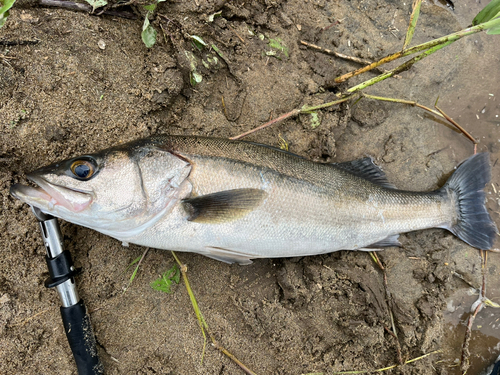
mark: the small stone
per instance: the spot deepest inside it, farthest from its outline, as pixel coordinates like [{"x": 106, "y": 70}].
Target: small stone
[{"x": 102, "y": 44}]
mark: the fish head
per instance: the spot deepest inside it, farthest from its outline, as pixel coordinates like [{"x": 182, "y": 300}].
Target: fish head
[{"x": 116, "y": 191}]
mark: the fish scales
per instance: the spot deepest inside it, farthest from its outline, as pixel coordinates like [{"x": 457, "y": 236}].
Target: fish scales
[
  {"x": 286, "y": 205},
  {"x": 333, "y": 201}
]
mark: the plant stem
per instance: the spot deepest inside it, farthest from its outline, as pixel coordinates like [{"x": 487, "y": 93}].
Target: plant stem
[
  {"x": 305, "y": 109},
  {"x": 203, "y": 324},
  {"x": 410, "y": 102},
  {"x": 293, "y": 113},
  {"x": 422, "y": 47},
  {"x": 403, "y": 67}
]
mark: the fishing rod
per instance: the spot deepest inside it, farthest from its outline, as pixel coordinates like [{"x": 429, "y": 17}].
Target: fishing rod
[{"x": 76, "y": 319}]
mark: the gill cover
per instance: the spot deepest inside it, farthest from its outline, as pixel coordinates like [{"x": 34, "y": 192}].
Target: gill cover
[{"x": 117, "y": 191}]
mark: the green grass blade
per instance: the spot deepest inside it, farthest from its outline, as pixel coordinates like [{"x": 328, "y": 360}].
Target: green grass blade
[
  {"x": 133, "y": 262},
  {"x": 489, "y": 12},
  {"x": 5, "y": 5},
  {"x": 494, "y": 30},
  {"x": 413, "y": 22},
  {"x": 137, "y": 260}
]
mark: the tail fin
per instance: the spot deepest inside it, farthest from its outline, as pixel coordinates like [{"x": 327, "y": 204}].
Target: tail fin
[{"x": 474, "y": 224}]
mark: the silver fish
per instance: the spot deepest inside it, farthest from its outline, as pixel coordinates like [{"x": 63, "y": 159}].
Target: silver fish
[{"x": 235, "y": 201}]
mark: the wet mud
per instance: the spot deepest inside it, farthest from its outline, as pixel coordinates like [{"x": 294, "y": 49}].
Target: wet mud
[{"x": 89, "y": 82}]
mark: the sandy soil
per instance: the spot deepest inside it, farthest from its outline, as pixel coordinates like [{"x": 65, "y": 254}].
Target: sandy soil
[{"x": 66, "y": 95}]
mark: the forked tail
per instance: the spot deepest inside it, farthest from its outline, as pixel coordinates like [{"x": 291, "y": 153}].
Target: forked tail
[{"x": 474, "y": 224}]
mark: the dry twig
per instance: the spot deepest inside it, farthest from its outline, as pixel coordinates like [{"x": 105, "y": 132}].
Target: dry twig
[{"x": 338, "y": 54}]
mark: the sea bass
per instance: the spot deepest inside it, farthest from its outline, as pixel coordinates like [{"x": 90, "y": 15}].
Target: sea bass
[{"x": 236, "y": 201}]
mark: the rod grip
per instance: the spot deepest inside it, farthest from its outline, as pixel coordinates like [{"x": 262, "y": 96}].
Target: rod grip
[{"x": 81, "y": 339}]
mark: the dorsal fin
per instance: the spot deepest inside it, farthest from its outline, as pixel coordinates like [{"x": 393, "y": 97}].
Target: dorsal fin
[
  {"x": 223, "y": 206},
  {"x": 366, "y": 169}
]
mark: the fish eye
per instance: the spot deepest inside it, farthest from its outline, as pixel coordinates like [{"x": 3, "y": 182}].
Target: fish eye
[{"x": 82, "y": 169}]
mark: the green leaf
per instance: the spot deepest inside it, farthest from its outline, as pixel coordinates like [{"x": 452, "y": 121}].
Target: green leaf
[
  {"x": 198, "y": 42},
  {"x": 315, "y": 120},
  {"x": 164, "y": 283},
  {"x": 413, "y": 23},
  {"x": 279, "y": 45},
  {"x": 217, "y": 50},
  {"x": 97, "y": 3},
  {"x": 6, "y": 5},
  {"x": 3, "y": 18},
  {"x": 4, "y": 10},
  {"x": 489, "y": 12},
  {"x": 150, "y": 7},
  {"x": 494, "y": 30},
  {"x": 148, "y": 34},
  {"x": 196, "y": 78}
]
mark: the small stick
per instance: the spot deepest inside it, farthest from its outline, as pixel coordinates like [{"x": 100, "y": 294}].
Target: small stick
[
  {"x": 410, "y": 102},
  {"x": 376, "y": 260},
  {"x": 202, "y": 322},
  {"x": 293, "y": 113},
  {"x": 464, "y": 360},
  {"x": 28, "y": 319},
  {"x": 17, "y": 43},
  {"x": 224, "y": 105},
  {"x": 238, "y": 35},
  {"x": 439, "y": 112},
  {"x": 331, "y": 25},
  {"x": 387, "y": 368},
  {"x": 338, "y": 54},
  {"x": 85, "y": 8},
  {"x": 388, "y": 296},
  {"x": 398, "y": 347},
  {"x": 443, "y": 41},
  {"x": 402, "y": 68},
  {"x": 464, "y": 132}
]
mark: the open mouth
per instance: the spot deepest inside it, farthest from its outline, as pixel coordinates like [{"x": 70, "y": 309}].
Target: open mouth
[{"x": 47, "y": 195}]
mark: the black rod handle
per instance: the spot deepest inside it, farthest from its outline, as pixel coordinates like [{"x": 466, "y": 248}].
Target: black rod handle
[{"x": 81, "y": 339}]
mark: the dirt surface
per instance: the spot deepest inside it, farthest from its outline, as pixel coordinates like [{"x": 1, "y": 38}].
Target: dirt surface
[{"x": 89, "y": 83}]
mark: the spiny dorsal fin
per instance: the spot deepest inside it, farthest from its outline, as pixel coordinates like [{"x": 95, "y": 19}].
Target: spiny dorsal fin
[
  {"x": 223, "y": 206},
  {"x": 366, "y": 169}
]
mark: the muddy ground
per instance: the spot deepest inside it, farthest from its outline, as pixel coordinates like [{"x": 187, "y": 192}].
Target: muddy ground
[{"x": 89, "y": 82}]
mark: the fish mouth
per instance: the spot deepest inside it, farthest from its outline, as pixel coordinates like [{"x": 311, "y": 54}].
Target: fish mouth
[{"x": 50, "y": 197}]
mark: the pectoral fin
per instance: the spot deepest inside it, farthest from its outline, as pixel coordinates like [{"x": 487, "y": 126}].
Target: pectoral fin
[{"x": 223, "y": 206}]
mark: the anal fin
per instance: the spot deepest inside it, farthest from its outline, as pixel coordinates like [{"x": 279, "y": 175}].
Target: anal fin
[
  {"x": 386, "y": 242},
  {"x": 228, "y": 256}
]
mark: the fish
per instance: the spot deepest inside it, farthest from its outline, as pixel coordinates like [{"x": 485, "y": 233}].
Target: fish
[{"x": 235, "y": 201}]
